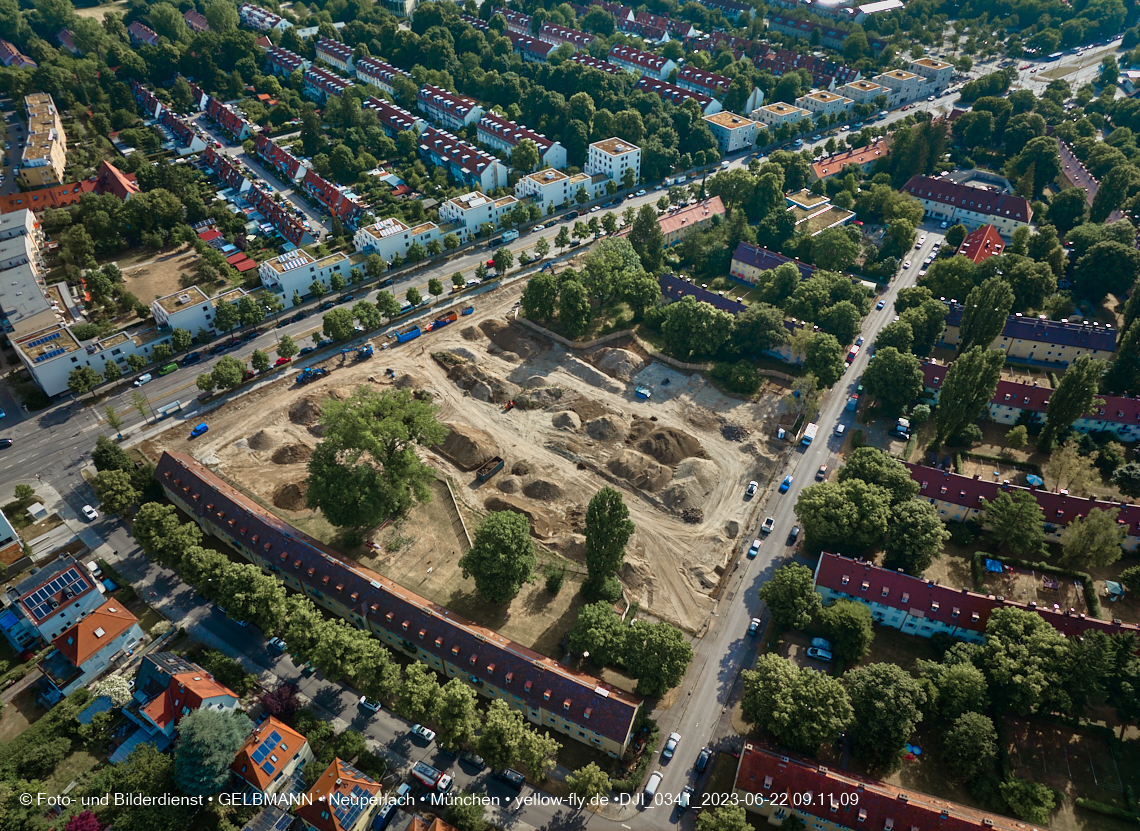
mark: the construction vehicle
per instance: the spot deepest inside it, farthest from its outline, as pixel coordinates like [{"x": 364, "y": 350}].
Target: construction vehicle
[
  {"x": 642, "y": 392},
  {"x": 443, "y": 320},
  {"x": 411, "y": 333},
  {"x": 365, "y": 352},
  {"x": 311, "y": 373},
  {"x": 510, "y": 406},
  {"x": 489, "y": 469}
]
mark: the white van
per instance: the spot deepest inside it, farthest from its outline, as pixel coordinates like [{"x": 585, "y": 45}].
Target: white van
[
  {"x": 651, "y": 788},
  {"x": 143, "y": 379}
]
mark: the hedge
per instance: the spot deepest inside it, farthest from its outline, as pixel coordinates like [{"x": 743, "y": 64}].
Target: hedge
[
  {"x": 648, "y": 753},
  {"x": 1107, "y": 810},
  {"x": 1085, "y": 579},
  {"x": 1034, "y": 468}
]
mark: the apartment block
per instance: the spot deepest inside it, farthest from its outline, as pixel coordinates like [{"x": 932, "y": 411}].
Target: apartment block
[
  {"x": 517, "y": 22},
  {"x": 391, "y": 236},
  {"x": 319, "y": 84},
  {"x": 732, "y": 132},
  {"x": 44, "y": 605},
  {"x": 261, "y": 19},
  {"x": 863, "y": 158},
  {"x": 821, "y": 103},
  {"x": 474, "y": 209},
  {"x": 288, "y": 166},
  {"x": 229, "y": 119},
  {"x": 938, "y": 73},
  {"x": 544, "y": 691},
  {"x": 379, "y": 74},
  {"x": 674, "y": 94},
  {"x": 825, "y": 74},
  {"x": 188, "y": 309},
  {"x": 596, "y": 63},
  {"x": 951, "y": 202},
  {"x": 641, "y": 63},
  {"x": 296, "y": 270},
  {"x": 466, "y": 163},
  {"x": 863, "y": 92},
  {"x": 498, "y": 133},
  {"x": 335, "y": 53},
  {"x": 45, "y": 151},
  {"x": 24, "y": 306},
  {"x": 612, "y": 157},
  {"x": 773, "y": 115},
  {"x": 831, "y": 36},
  {"x": 394, "y": 120},
  {"x": 552, "y": 188},
  {"x": 531, "y": 50},
  {"x": 750, "y": 261},
  {"x": 559, "y": 35},
  {"x": 904, "y": 86},
  {"x": 450, "y": 111}
]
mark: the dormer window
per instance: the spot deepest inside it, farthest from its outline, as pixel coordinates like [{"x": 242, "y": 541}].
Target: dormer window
[
  {"x": 955, "y": 612},
  {"x": 546, "y": 695},
  {"x": 405, "y": 625},
  {"x": 767, "y": 783},
  {"x": 974, "y": 617},
  {"x": 527, "y": 686},
  {"x": 934, "y": 606},
  {"x": 455, "y": 651},
  {"x": 886, "y": 591},
  {"x": 566, "y": 704},
  {"x": 866, "y": 585},
  {"x": 906, "y": 597},
  {"x": 845, "y": 580}
]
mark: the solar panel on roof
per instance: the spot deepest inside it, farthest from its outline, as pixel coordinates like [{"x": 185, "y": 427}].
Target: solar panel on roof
[{"x": 266, "y": 747}]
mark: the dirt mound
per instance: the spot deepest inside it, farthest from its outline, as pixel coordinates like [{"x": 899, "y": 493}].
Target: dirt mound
[
  {"x": 409, "y": 382},
  {"x": 567, "y": 420},
  {"x": 542, "y": 490},
  {"x": 582, "y": 370},
  {"x": 619, "y": 363},
  {"x": 640, "y": 470},
  {"x": 467, "y": 447},
  {"x": 264, "y": 440},
  {"x": 291, "y": 497},
  {"x": 305, "y": 412},
  {"x": 481, "y": 384},
  {"x": 509, "y": 339},
  {"x": 572, "y": 546},
  {"x": 693, "y": 481},
  {"x": 471, "y": 333},
  {"x": 540, "y": 398},
  {"x": 542, "y": 524},
  {"x": 520, "y": 468},
  {"x": 508, "y": 485},
  {"x": 340, "y": 393},
  {"x": 640, "y": 428},
  {"x": 464, "y": 352},
  {"x": 669, "y": 446},
  {"x": 292, "y": 454},
  {"x": 608, "y": 428}
]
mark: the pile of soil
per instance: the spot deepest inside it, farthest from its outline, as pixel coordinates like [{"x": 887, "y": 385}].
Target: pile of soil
[
  {"x": 520, "y": 468},
  {"x": 542, "y": 524},
  {"x": 292, "y": 454},
  {"x": 471, "y": 333},
  {"x": 539, "y": 399},
  {"x": 669, "y": 446},
  {"x": 305, "y": 412},
  {"x": 291, "y": 497},
  {"x": 640, "y": 428},
  {"x": 481, "y": 384},
  {"x": 409, "y": 382},
  {"x": 464, "y": 353},
  {"x": 507, "y": 485},
  {"x": 467, "y": 447},
  {"x": 542, "y": 490},
  {"x": 509, "y": 339},
  {"x": 693, "y": 481},
  {"x": 264, "y": 440},
  {"x": 619, "y": 363},
  {"x": 608, "y": 428},
  {"x": 640, "y": 470},
  {"x": 340, "y": 393},
  {"x": 582, "y": 370},
  {"x": 567, "y": 420}
]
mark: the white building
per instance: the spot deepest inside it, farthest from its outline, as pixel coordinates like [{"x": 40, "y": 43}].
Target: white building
[
  {"x": 261, "y": 19},
  {"x": 471, "y": 210},
  {"x": 822, "y": 103},
  {"x": 498, "y": 133},
  {"x": 24, "y": 306},
  {"x": 641, "y": 63},
  {"x": 465, "y": 162},
  {"x": 390, "y": 237},
  {"x": 335, "y": 53},
  {"x": 552, "y": 188},
  {"x": 773, "y": 115},
  {"x": 296, "y": 271},
  {"x": 732, "y": 132},
  {"x": 939, "y": 74},
  {"x": 189, "y": 309},
  {"x": 450, "y": 111},
  {"x": 863, "y": 92},
  {"x": 903, "y": 86},
  {"x": 612, "y": 157},
  {"x": 378, "y": 73}
]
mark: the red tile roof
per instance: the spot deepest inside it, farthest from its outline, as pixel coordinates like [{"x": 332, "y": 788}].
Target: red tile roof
[
  {"x": 142, "y": 34},
  {"x": 340, "y": 203},
  {"x": 327, "y": 82},
  {"x": 708, "y": 82},
  {"x": 196, "y": 21},
  {"x": 340, "y": 779},
  {"x": 493, "y": 124},
  {"x": 823, "y": 72},
  {"x": 946, "y": 192},
  {"x": 328, "y": 48},
  {"x": 643, "y": 60},
  {"x": 282, "y": 160},
  {"x": 377, "y": 72},
  {"x": 281, "y": 58},
  {"x": 526, "y": 45},
  {"x": 880, "y": 148},
  {"x": 560, "y": 34},
  {"x": 981, "y": 244},
  {"x": 695, "y": 215},
  {"x": 596, "y": 63},
  {"x": 672, "y": 93},
  {"x": 275, "y": 758},
  {"x": 114, "y": 181},
  {"x": 392, "y": 118},
  {"x": 94, "y": 632}
]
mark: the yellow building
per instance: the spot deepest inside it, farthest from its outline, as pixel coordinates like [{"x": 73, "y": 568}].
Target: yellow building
[{"x": 45, "y": 154}]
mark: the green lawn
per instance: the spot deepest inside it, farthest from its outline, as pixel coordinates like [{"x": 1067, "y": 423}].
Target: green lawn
[{"x": 70, "y": 769}]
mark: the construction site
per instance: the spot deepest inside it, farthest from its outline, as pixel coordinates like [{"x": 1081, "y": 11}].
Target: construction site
[{"x": 563, "y": 423}]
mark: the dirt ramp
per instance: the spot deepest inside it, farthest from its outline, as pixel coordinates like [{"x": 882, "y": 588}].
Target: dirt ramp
[
  {"x": 542, "y": 522},
  {"x": 292, "y": 454},
  {"x": 305, "y": 412},
  {"x": 620, "y": 363},
  {"x": 291, "y": 497},
  {"x": 669, "y": 446},
  {"x": 640, "y": 470},
  {"x": 467, "y": 447},
  {"x": 608, "y": 428}
]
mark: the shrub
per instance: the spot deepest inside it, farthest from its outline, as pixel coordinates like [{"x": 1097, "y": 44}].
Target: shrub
[
  {"x": 740, "y": 377},
  {"x": 961, "y": 534},
  {"x": 970, "y": 435},
  {"x": 554, "y": 578}
]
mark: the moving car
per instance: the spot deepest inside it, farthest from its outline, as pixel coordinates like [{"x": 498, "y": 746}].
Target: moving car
[
  {"x": 425, "y": 733},
  {"x": 5, "y": 443},
  {"x": 880, "y": 304},
  {"x": 752, "y": 486},
  {"x": 821, "y": 474},
  {"x": 753, "y": 628},
  {"x": 787, "y": 483},
  {"x": 754, "y": 549},
  {"x": 819, "y": 654},
  {"x": 768, "y": 525},
  {"x": 169, "y": 368},
  {"x": 90, "y": 513},
  {"x": 703, "y": 758},
  {"x": 146, "y": 378},
  {"x": 671, "y": 745}
]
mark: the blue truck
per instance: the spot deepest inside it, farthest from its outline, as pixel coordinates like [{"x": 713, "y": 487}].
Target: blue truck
[{"x": 411, "y": 333}]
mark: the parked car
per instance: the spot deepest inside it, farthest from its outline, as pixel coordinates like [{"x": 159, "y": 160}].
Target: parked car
[
  {"x": 753, "y": 628},
  {"x": 794, "y": 535},
  {"x": 369, "y": 704},
  {"x": 307, "y": 350},
  {"x": 752, "y": 486},
  {"x": 819, "y": 654},
  {"x": 640, "y": 192},
  {"x": 425, "y": 733},
  {"x": 192, "y": 358},
  {"x": 821, "y": 643},
  {"x": 684, "y": 800},
  {"x": 475, "y": 760},
  {"x": 859, "y": 341},
  {"x": 754, "y": 549},
  {"x": 839, "y": 429},
  {"x": 787, "y": 483},
  {"x": 702, "y": 760},
  {"x": 282, "y": 361},
  {"x": 348, "y": 298},
  {"x": 671, "y": 745},
  {"x": 328, "y": 304},
  {"x": 821, "y": 474},
  {"x": 169, "y": 368},
  {"x": 880, "y": 304},
  {"x": 145, "y": 378},
  {"x": 90, "y": 513},
  {"x": 297, "y": 317},
  {"x": 250, "y": 335},
  {"x": 512, "y": 778},
  {"x": 278, "y": 644},
  {"x": 768, "y": 525},
  {"x": 199, "y": 430}
]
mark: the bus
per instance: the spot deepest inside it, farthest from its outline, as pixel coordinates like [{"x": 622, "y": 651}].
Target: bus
[
  {"x": 1056, "y": 56},
  {"x": 809, "y": 433}
]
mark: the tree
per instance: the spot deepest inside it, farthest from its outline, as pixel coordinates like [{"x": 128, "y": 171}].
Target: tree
[
  {"x": 1074, "y": 396},
  {"x": 888, "y": 705},
  {"x": 726, "y": 817},
  {"x": 574, "y": 308},
  {"x": 589, "y": 782},
  {"x": 116, "y": 688},
  {"x": 599, "y": 632},
  {"x": 525, "y": 156},
  {"x": 759, "y": 328},
  {"x": 693, "y": 327},
  {"x": 435, "y": 287},
  {"x": 647, "y": 240},
  {"x": 801, "y": 708},
  {"x": 1023, "y": 657},
  {"x": 109, "y": 455},
  {"x": 228, "y": 373},
  {"x": 1067, "y": 210},
  {"x": 541, "y": 247},
  {"x": 1109, "y": 267},
  {"x": 259, "y": 360},
  {"x": 1070, "y": 470},
  {"x": 501, "y": 558},
  {"x": 824, "y": 358},
  {"x": 984, "y": 314},
  {"x": 115, "y": 490},
  {"x": 848, "y": 517},
  {"x": 657, "y": 655},
  {"x": 136, "y": 362},
  {"x": 875, "y": 467},
  {"x": 387, "y": 304},
  {"x": 893, "y": 377},
  {"x": 1030, "y": 801},
  {"x": 1016, "y": 520},
  {"x": 503, "y": 259},
  {"x": 282, "y": 702},
  {"x": 970, "y": 746},
  {"x": 413, "y": 296},
  {"x": 287, "y": 347},
  {"x": 967, "y": 389},
  {"x": 418, "y": 694},
  {"x": 339, "y": 325},
  {"x": 834, "y": 250},
  {"x": 608, "y": 529},
  {"x": 83, "y": 379},
  {"x": 466, "y": 812},
  {"x": 226, "y": 316},
  {"x": 205, "y": 382},
  {"x": 1127, "y": 479},
  {"x": 849, "y": 628},
  {"x": 366, "y": 469},
  {"x": 916, "y": 537},
  {"x": 791, "y": 596},
  {"x": 457, "y": 715},
  {"x": 1017, "y": 437},
  {"x": 1092, "y": 541},
  {"x": 539, "y": 752},
  {"x": 208, "y": 740},
  {"x": 502, "y": 735},
  {"x": 112, "y": 372}
]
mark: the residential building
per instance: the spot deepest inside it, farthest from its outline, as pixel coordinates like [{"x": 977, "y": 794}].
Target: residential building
[
  {"x": 676, "y": 226},
  {"x": 88, "y": 649},
  {"x": 821, "y": 103},
  {"x": 62, "y": 196},
  {"x": 903, "y": 86},
  {"x": 11, "y": 56},
  {"x": 641, "y": 63},
  {"x": 1016, "y": 403},
  {"x": 559, "y": 35},
  {"x": 612, "y": 157},
  {"x": 981, "y": 244},
  {"x": 715, "y": 86},
  {"x": 394, "y": 120},
  {"x": 531, "y": 50},
  {"x": 24, "y": 306},
  {"x": 677, "y": 95},
  {"x": 471, "y": 210},
  {"x": 66, "y": 39},
  {"x": 401, "y": 8},
  {"x": 845, "y": 801},
  {"x": 1040, "y": 341},
  {"x": 227, "y": 170},
  {"x": 294, "y": 271},
  {"x": 196, "y": 21},
  {"x": 546, "y": 692},
  {"x": 379, "y": 74},
  {"x": 814, "y": 214},
  {"x": 498, "y": 133},
  {"x": 675, "y": 27},
  {"x": 732, "y": 132},
  {"x": 450, "y": 111},
  {"x": 284, "y": 63},
  {"x": 596, "y": 63},
  {"x": 45, "y": 150},
  {"x": 865, "y": 158},
  {"x": 864, "y": 92},
  {"x": 732, "y": 9},
  {"x": 1075, "y": 174},
  {"x": 229, "y": 119},
  {"x": 272, "y": 818},
  {"x": 270, "y": 757},
  {"x": 879, "y": 7},
  {"x": 475, "y": 22},
  {"x": 180, "y": 135},
  {"x": 391, "y": 236},
  {"x": 650, "y": 33},
  {"x": 147, "y": 101},
  {"x": 831, "y": 36},
  {"x": 22, "y": 223},
  {"x": 342, "y": 799},
  {"x": 48, "y": 353},
  {"x": 289, "y": 167},
  {"x": 188, "y": 309},
  {"x": 44, "y": 605},
  {"x": 517, "y": 22},
  {"x": 750, "y": 261},
  {"x": 261, "y": 19},
  {"x": 142, "y": 35},
  {"x": 466, "y": 163},
  {"x": 552, "y": 188},
  {"x": 319, "y": 84},
  {"x": 948, "y": 201},
  {"x": 281, "y": 215},
  {"x": 939, "y": 74},
  {"x": 825, "y": 74},
  {"x": 335, "y": 53},
  {"x": 341, "y": 202},
  {"x": 773, "y": 115}
]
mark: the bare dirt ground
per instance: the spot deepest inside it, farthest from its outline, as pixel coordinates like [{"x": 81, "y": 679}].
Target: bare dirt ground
[
  {"x": 97, "y": 12},
  {"x": 158, "y": 278},
  {"x": 577, "y": 427}
]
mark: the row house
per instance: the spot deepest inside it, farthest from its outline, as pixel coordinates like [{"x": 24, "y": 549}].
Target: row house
[
  {"x": 466, "y": 163},
  {"x": 732, "y": 9},
  {"x": 281, "y": 215},
  {"x": 773, "y": 115},
  {"x": 270, "y": 757},
  {"x": 544, "y": 691},
  {"x": 91, "y": 647},
  {"x": 292, "y": 273},
  {"x": 528, "y": 48},
  {"x": 517, "y": 22},
  {"x": 715, "y": 41},
  {"x": 674, "y": 94},
  {"x": 1013, "y": 403},
  {"x": 864, "y": 92},
  {"x": 596, "y": 63},
  {"x": 320, "y": 84},
  {"x": 261, "y": 19},
  {"x": 451, "y": 111},
  {"x": 284, "y": 63},
  {"x": 379, "y": 74},
  {"x": 551, "y": 189},
  {"x": 186, "y": 137},
  {"x": 335, "y": 53},
  {"x": 676, "y": 28},
  {"x": 343, "y": 799},
  {"x": 391, "y": 236},
  {"x": 641, "y": 63},
  {"x": 196, "y": 21},
  {"x": 651, "y": 34},
  {"x": 229, "y": 119},
  {"x": 475, "y": 22},
  {"x": 699, "y": 217},
  {"x": 981, "y": 244},
  {"x": 225, "y": 169},
  {"x": 948, "y": 201},
  {"x": 289, "y": 167},
  {"x": 66, "y": 39},
  {"x": 750, "y": 261},
  {"x": 11, "y": 56},
  {"x": 340, "y": 202},
  {"x": 902, "y": 86},
  {"x": 732, "y": 132},
  {"x": 865, "y": 158},
  {"x": 612, "y": 157},
  {"x": 471, "y": 210},
  {"x": 825, "y": 74},
  {"x": 394, "y": 120},
  {"x": 198, "y": 96},
  {"x": 500, "y": 134},
  {"x": 821, "y": 103},
  {"x": 142, "y": 35},
  {"x": 831, "y": 36},
  {"x": 147, "y": 101},
  {"x": 715, "y": 86}
]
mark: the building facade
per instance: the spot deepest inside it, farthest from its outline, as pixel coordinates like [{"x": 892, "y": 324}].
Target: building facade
[
  {"x": 466, "y": 163},
  {"x": 44, "y": 159},
  {"x": 773, "y": 115},
  {"x": 750, "y": 261},
  {"x": 1041, "y": 341},
  {"x": 954, "y": 203},
  {"x": 674, "y": 94},
  {"x": 938, "y": 74},
  {"x": 498, "y": 133},
  {"x": 379, "y": 74},
  {"x": 864, "y": 92},
  {"x": 271, "y": 756},
  {"x": 612, "y": 157},
  {"x": 551, "y": 189},
  {"x": 732, "y": 132},
  {"x": 641, "y": 63},
  {"x": 474, "y": 209},
  {"x": 295, "y": 271},
  {"x": 188, "y": 309},
  {"x": 394, "y": 120},
  {"x": 335, "y": 53},
  {"x": 448, "y": 110},
  {"x": 391, "y": 236},
  {"x": 902, "y": 86}
]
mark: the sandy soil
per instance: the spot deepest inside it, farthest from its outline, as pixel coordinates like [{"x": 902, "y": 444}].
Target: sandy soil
[
  {"x": 575, "y": 429},
  {"x": 158, "y": 278},
  {"x": 97, "y": 12}
]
